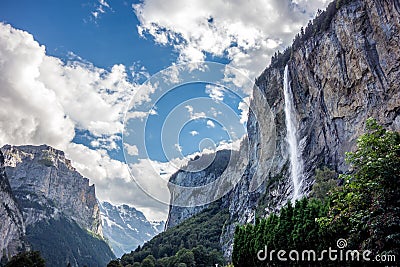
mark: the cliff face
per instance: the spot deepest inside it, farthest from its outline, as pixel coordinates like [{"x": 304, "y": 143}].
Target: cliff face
[
  {"x": 338, "y": 78},
  {"x": 46, "y": 185},
  {"x": 12, "y": 227},
  {"x": 59, "y": 207}
]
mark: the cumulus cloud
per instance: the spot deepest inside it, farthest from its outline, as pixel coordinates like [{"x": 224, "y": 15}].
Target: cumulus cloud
[
  {"x": 241, "y": 30},
  {"x": 131, "y": 149},
  {"x": 30, "y": 111},
  {"x": 215, "y": 92},
  {"x": 49, "y": 98},
  {"x": 195, "y": 115},
  {"x": 210, "y": 124}
]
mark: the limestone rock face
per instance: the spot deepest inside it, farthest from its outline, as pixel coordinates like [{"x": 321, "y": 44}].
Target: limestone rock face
[
  {"x": 46, "y": 186},
  {"x": 12, "y": 227},
  {"x": 339, "y": 78}
]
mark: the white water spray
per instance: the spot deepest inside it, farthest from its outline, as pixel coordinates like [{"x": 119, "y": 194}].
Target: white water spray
[{"x": 296, "y": 163}]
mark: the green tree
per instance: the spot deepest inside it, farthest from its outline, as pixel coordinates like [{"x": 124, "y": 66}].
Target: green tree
[
  {"x": 149, "y": 261},
  {"x": 366, "y": 209},
  {"x": 114, "y": 263},
  {"x": 186, "y": 256},
  {"x": 29, "y": 258},
  {"x": 325, "y": 181}
]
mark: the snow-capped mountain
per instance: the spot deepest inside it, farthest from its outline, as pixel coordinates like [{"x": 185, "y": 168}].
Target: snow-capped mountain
[{"x": 126, "y": 228}]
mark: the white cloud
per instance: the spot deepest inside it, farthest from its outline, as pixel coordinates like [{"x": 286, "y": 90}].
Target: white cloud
[
  {"x": 101, "y": 8},
  {"x": 49, "y": 98},
  {"x": 195, "y": 115},
  {"x": 249, "y": 32},
  {"x": 30, "y": 112},
  {"x": 215, "y": 92},
  {"x": 131, "y": 149},
  {"x": 244, "y": 109},
  {"x": 194, "y": 133},
  {"x": 178, "y": 147},
  {"x": 210, "y": 124}
]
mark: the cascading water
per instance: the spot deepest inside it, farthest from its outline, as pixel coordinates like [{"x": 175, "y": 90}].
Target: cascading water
[{"x": 296, "y": 164}]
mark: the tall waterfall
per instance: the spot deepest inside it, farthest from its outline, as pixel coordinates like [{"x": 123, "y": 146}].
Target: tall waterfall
[{"x": 296, "y": 163}]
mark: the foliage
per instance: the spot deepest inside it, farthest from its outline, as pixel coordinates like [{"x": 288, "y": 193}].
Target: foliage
[
  {"x": 294, "y": 228},
  {"x": 366, "y": 209},
  {"x": 114, "y": 263},
  {"x": 325, "y": 181},
  {"x": 29, "y": 258},
  {"x": 194, "y": 242}
]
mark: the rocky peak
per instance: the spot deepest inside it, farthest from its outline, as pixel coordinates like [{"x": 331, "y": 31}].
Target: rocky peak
[
  {"x": 46, "y": 185},
  {"x": 126, "y": 228}
]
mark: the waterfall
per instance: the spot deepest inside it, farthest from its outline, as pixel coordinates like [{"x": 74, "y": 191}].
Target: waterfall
[{"x": 296, "y": 164}]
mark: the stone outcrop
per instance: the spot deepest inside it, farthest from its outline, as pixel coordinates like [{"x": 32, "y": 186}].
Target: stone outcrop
[
  {"x": 46, "y": 185},
  {"x": 60, "y": 213},
  {"x": 12, "y": 227}
]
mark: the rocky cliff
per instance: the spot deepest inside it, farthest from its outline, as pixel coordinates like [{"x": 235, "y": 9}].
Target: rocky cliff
[
  {"x": 12, "y": 227},
  {"x": 59, "y": 207},
  {"x": 339, "y": 77},
  {"x": 46, "y": 185}
]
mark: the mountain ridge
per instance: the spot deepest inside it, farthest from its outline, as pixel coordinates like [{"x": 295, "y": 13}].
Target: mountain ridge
[{"x": 126, "y": 228}]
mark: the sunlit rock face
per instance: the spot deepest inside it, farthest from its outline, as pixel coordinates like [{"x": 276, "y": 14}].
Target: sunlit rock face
[
  {"x": 59, "y": 208},
  {"x": 12, "y": 227},
  {"x": 339, "y": 78},
  {"x": 46, "y": 185}
]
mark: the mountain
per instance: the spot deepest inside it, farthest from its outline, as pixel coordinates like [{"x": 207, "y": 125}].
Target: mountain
[
  {"x": 126, "y": 228},
  {"x": 343, "y": 69},
  {"x": 59, "y": 207},
  {"x": 12, "y": 227},
  {"x": 194, "y": 242}
]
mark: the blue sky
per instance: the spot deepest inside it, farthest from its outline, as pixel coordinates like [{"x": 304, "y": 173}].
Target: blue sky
[{"x": 70, "y": 68}]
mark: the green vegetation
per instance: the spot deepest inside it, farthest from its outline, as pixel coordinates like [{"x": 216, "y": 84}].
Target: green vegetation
[
  {"x": 365, "y": 210},
  {"x": 63, "y": 241},
  {"x": 325, "y": 181},
  {"x": 194, "y": 242},
  {"x": 25, "y": 259},
  {"x": 294, "y": 228}
]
